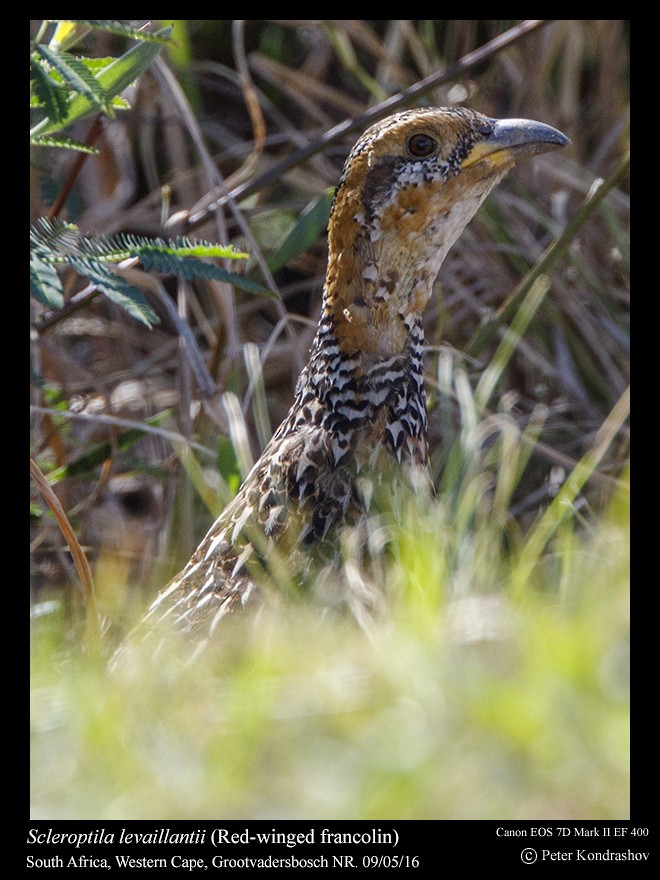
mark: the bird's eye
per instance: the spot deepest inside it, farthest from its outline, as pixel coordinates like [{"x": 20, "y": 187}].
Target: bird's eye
[{"x": 421, "y": 145}]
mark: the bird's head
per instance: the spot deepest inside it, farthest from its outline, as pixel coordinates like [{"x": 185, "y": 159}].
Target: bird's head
[{"x": 409, "y": 187}]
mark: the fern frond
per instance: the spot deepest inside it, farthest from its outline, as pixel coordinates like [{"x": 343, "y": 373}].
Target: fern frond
[
  {"x": 110, "y": 80},
  {"x": 116, "y": 289},
  {"x": 123, "y": 246},
  {"x": 179, "y": 256},
  {"x": 194, "y": 268},
  {"x": 51, "y": 236},
  {"x": 117, "y": 27},
  {"x": 48, "y": 95},
  {"x": 62, "y": 142},
  {"x": 76, "y": 75},
  {"x": 185, "y": 257},
  {"x": 56, "y": 243},
  {"x": 45, "y": 283},
  {"x": 96, "y": 67}
]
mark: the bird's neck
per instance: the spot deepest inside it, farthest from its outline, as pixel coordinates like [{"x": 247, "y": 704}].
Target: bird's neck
[
  {"x": 365, "y": 376},
  {"x": 374, "y": 297},
  {"x": 368, "y": 399}
]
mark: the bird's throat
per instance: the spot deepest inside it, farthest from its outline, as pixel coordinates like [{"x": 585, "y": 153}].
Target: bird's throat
[{"x": 372, "y": 301}]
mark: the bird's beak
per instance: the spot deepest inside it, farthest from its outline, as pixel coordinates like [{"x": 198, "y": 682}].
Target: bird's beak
[{"x": 513, "y": 139}]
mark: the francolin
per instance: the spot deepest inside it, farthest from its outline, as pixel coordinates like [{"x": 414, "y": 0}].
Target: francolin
[{"x": 409, "y": 187}]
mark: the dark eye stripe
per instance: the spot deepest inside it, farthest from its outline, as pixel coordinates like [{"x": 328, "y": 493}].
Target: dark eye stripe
[{"x": 421, "y": 145}]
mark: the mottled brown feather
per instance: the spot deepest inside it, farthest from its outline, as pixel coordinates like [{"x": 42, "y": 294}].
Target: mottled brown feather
[{"x": 359, "y": 419}]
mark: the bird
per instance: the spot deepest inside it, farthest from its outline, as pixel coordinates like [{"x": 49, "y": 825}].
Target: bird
[{"x": 358, "y": 423}]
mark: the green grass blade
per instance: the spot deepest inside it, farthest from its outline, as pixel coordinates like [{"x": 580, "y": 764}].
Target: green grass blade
[
  {"x": 304, "y": 232},
  {"x": 238, "y": 432},
  {"x": 563, "y": 504},
  {"x": 212, "y": 499},
  {"x": 253, "y": 365},
  {"x": 512, "y": 336}
]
